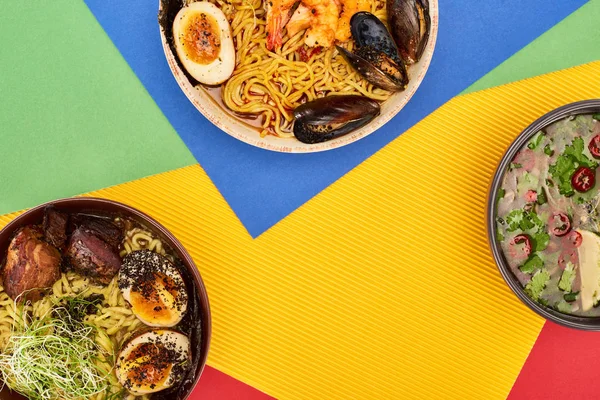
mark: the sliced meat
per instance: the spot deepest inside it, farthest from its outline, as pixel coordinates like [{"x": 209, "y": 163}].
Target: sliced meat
[
  {"x": 55, "y": 227},
  {"x": 32, "y": 265},
  {"x": 102, "y": 228},
  {"x": 89, "y": 255}
]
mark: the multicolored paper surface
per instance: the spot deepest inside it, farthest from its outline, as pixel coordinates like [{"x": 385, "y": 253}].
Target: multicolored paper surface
[{"x": 381, "y": 286}]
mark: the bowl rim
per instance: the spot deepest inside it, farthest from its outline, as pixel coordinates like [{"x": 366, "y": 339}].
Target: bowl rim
[
  {"x": 572, "y": 109},
  {"x": 89, "y": 202},
  {"x": 296, "y": 146}
]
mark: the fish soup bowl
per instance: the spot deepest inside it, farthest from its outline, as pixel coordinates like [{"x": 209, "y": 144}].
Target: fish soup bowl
[
  {"x": 199, "y": 331},
  {"x": 542, "y": 250}
]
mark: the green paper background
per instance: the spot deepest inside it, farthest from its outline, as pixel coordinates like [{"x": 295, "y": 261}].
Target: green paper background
[{"x": 75, "y": 118}]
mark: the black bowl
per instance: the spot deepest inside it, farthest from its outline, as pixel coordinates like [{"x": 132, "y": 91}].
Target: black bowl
[
  {"x": 200, "y": 340},
  {"x": 581, "y": 107}
]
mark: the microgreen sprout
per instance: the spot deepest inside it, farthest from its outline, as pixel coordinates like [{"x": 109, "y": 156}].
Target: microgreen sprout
[{"x": 54, "y": 357}]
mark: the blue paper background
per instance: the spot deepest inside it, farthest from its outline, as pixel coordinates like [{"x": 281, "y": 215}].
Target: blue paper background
[{"x": 263, "y": 187}]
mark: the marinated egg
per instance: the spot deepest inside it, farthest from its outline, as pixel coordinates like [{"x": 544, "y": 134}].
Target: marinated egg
[
  {"x": 154, "y": 287},
  {"x": 203, "y": 42},
  {"x": 153, "y": 361}
]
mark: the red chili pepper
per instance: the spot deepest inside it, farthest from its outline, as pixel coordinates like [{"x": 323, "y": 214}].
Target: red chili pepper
[
  {"x": 583, "y": 179},
  {"x": 307, "y": 53},
  {"x": 567, "y": 256},
  {"x": 594, "y": 146},
  {"x": 559, "y": 223},
  {"x": 531, "y": 196},
  {"x": 572, "y": 240},
  {"x": 520, "y": 246}
]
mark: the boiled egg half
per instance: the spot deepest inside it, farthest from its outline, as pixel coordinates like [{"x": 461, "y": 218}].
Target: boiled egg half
[
  {"x": 203, "y": 42},
  {"x": 153, "y": 361},
  {"x": 154, "y": 288}
]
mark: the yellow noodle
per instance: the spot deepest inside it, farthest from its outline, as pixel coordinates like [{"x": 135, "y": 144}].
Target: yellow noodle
[
  {"x": 114, "y": 321},
  {"x": 272, "y": 84}
]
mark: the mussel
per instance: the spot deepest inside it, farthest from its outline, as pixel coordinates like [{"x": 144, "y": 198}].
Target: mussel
[
  {"x": 330, "y": 117},
  {"x": 410, "y": 25},
  {"x": 375, "y": 56}
]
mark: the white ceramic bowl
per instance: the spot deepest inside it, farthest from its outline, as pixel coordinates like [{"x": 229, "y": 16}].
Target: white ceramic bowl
[{"x": 238, "y": 129}]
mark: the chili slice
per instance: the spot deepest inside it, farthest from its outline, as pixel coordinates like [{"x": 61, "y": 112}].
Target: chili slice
[
  {"x": 594, "y": 146},
  {"x": 572, "y": 240},
  {"x": 559, "y": 223},
  {"x": 521, "y": 246},
  {"x": 583, "y": 179}
]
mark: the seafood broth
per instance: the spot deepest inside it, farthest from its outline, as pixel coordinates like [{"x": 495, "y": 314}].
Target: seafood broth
[{"x": 548, "y": 221}]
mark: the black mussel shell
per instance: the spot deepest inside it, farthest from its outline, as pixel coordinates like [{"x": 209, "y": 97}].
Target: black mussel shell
[
  {"x": 330, "y": 117},
  {"x": 409, "y": 25},
  {"x": 368, "y": 31},
  {"x": 377, "y": 68}
]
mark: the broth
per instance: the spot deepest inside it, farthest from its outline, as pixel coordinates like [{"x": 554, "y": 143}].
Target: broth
[{"x": 548, "y": 216}]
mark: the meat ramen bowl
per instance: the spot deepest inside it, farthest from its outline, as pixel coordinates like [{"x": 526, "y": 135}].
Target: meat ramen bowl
[
  {"x": 542, "y": 216},
  {"x": 192, "y": 327},
  {"x": 250, "y": 128}
]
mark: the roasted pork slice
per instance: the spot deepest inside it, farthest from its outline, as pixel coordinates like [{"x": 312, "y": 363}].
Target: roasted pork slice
[
  {"x": 55, "y": 227},
  {"x": 102, "y": 228},
  {"x": 89, "y": 255},
  {"x": 32, "y": 265}
]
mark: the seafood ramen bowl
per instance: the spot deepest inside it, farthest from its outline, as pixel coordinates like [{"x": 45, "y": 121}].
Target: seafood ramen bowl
[
  {"x": 275, "y": 75},
  {"x": 98, "y": 301},
  {"x": 543, "y": 216}
]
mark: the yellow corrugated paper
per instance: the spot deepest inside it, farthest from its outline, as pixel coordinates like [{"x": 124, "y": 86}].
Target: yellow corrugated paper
[{"x": 382, "y": 286}]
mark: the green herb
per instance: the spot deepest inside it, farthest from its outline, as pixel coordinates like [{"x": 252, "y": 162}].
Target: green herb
[
  {"x": 53, "y": 355},
  {"x": 571, "y": 296},
  {"x": 532, "y": 264},
  {"x": 524, "y": 220},
  {"x": 541, "y": 198},
  {"x": 499, "y": 235},
  {"x": 563, "y": 307},
  {"x": 548, "y": 150},
  {"x": 500, "y": 194},
  {"x": 540, "y": 241},
  {"x": 549, "y": 183},
  {"x": 568, "y": 276},
  {"x": 537, "y": 284},
  {"x": 543, "y": 301},
  {"x": 567, "y": 163},
  {"x": 596, "y": 117},
  {"x": 536, "y": 140}
]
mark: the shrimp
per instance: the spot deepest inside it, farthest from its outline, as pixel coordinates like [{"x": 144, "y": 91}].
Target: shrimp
[
  {"x": 278, "y": 14},
  {"x": 349, "y": 8},
  {"x": 319, "y": 17}
]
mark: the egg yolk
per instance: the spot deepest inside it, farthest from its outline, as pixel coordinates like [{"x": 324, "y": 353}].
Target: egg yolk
[
  {"x": 147, "y": 365},
  {"x": 156, "y": 298},
  {"x": 200, "y": 38}
]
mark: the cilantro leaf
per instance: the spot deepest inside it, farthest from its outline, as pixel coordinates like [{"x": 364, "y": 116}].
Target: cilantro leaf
[
  {"x": 567, "y": 163},
  {"x": 596, "y": 117},
  {"x": 540, "y": 241},
  {"x": 534, "y": 263},
  {"x": 571, "y": 296},
  {"x": 535, "y": 140},
  {"x": 524, "y": 220},
  {"x": 541, "y": 198},
  {"x": 537, "y": 284},
  {"x": 566, "y": 280},
  {"x": 548, "y": 150},
  {"x": 563, "y": 307},
  {"x": 501, "y": 193}
]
